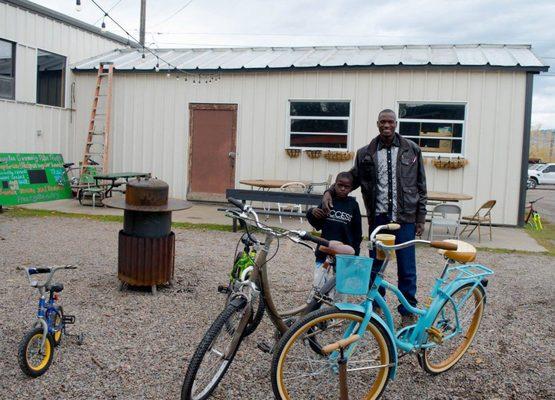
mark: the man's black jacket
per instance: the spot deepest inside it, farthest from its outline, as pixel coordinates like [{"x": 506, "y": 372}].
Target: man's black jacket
[{"x": 411, "y": 180}]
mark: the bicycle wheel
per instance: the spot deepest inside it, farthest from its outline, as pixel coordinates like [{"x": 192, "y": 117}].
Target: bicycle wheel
[
  {"x": 442, "y": 357},
  {"x": 55, "y": 319},
  {"x": 31, "y": 360},
  {"x": 208, "y": 365},
  {"x": 300, "y": 373}
]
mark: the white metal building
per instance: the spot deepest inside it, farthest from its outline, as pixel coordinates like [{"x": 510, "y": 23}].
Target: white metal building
[
  {"x": 37, "y": 89},
  {"x": 471, "y": 102}
]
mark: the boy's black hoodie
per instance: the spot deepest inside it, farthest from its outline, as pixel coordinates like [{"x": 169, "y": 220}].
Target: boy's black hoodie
[{"x": 343, "y": 224}]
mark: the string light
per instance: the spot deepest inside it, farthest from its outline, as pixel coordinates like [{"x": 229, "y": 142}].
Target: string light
[
  {"x": 145, "y": 48},
  {"x": 78, "y": 5}
]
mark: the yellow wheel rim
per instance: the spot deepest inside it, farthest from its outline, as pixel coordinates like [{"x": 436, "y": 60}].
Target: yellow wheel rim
[
  {"x": 34, "y": 346},
  {"x": 468, "y": 336},
  {"x": 381, "y": 379},
  {"x": 58, "y": 334}
]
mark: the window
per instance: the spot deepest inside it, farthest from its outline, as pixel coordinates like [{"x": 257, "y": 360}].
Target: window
[
  {"x": 437, "y": 128},
  {"x": 7, "y": 69},
  {"x": 50, "y": 78},
  {"x": 319, "y": 124}
]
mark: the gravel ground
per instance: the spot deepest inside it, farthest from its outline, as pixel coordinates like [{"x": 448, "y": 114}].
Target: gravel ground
[{"x": 138, "y": 346}]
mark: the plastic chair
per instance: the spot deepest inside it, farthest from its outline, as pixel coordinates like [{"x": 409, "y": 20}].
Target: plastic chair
[
  {"x": 88, "y": 187},
  {"x": 446, "y": 216},
  {"x": 325, "y": 184},
  {"x": 292, "y": 187},
  {"x": 481, "y": 217}
]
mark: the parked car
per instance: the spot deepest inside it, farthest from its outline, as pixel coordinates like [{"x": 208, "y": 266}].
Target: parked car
[{"x": 541, "y": 175}]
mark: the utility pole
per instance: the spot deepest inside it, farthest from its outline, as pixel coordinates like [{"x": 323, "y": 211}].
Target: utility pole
[{"x": 143, "y": 22}]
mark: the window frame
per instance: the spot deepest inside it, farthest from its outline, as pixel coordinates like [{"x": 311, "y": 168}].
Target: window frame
[
  {"x": 289, "y": 117},
  {"x": 14, "y": 46},
  {"x": 439, "y": 121},
  {"x": 63, "y": 80}
]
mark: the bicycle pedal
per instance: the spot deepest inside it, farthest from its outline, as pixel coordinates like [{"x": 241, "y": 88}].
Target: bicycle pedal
[
  {"x": 265, "y": 347},
  {"x": 224, "y": 289},
  {"x": 68, "y": 319}
]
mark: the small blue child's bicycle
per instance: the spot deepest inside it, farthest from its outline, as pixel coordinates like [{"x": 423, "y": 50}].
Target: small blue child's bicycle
[
  {"x": 349, "y": 351},
  {"x": 36, "y": 349}
]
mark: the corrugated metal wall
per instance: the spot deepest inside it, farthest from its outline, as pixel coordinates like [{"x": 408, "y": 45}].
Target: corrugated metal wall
[
  {"x": 151, "y": 119},
  {"x": 21, "y": 119}
]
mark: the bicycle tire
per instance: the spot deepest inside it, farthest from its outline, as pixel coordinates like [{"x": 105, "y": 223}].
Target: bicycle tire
[
  {"x": 58, "y": 321},
  {"x": 425, "y": 357},
  {"x": 375, "y": 334},
  {"x": 34, "y": 337},
  {"x": 219, "y": 326},
  {"x": 258, "y": 312}
]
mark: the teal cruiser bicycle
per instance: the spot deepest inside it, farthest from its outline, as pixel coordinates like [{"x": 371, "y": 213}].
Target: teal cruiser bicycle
[{"x": 349, "y": 351}]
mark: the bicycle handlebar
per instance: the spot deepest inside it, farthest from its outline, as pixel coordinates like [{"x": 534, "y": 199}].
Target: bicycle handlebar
[
  {"x": 315, "y": 239},
  {"x": 45, "y": 270},
  {"x": 440, "y": 244}
]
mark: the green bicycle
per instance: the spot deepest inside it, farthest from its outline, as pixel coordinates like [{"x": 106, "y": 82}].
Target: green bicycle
[{"x": 533, "y": 218}]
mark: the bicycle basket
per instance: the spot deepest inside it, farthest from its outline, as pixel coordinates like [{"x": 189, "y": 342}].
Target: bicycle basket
[{"x": 352, "y": 274}]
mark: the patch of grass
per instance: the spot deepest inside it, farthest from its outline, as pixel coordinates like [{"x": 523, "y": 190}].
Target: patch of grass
[
  {"x": 509, "y": 251},
  {"x": 545, "y": 237},
  {"x": 29, "y": 213}
]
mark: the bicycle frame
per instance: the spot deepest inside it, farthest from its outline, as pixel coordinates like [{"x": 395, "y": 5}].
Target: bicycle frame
[
  {"x": 417, "y": 335},
  {"x": 44, "y": 306}
]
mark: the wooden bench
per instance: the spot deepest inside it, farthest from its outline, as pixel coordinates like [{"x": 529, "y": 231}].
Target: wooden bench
[{"x": 243, "y": 195}]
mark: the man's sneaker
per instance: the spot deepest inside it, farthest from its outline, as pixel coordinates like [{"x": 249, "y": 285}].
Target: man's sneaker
[{"x": 407, "y": 320}]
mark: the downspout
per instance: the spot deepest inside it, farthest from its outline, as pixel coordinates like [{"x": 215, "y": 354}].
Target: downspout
[{"x": 525, "y": 146}]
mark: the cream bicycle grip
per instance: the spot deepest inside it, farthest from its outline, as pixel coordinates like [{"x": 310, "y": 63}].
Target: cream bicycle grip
[{"x": 393, "y": 227}]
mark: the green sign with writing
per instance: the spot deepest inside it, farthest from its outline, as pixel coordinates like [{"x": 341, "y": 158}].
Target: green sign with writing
[{"x": 31, "y": 178}]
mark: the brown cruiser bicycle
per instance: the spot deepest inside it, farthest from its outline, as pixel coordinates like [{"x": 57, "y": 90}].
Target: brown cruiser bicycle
[{"x": 248, "y": 297}]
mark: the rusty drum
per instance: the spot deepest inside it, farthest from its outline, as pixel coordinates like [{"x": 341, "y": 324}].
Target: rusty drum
[{"x": 146, "y": 249}]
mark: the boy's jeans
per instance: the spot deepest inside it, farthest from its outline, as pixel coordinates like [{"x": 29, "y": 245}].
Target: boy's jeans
[
  {"x": 406, "y": 261},
  {"x": 321, "y": 277}
]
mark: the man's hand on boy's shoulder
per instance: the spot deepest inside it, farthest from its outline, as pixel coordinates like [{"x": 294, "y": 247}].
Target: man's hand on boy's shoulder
[{"x": 318, "y": 213}]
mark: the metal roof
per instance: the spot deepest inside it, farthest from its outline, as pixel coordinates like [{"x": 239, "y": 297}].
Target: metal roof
[
  {"x": 221, "y": 59},
  {"x": 47, "y": 12}
]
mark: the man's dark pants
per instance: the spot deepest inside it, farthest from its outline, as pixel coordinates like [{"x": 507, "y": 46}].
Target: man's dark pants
[{"x": 406, "y": 260}]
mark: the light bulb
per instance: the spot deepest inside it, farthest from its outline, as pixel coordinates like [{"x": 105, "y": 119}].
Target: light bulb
[
  {"x": 157, "y": 68},
  {"x": 103, "y": 26},
  {"x": 78, "y": 5},
  {"x": 177, "y": 77},
  {"x": 168, "y": 75}
]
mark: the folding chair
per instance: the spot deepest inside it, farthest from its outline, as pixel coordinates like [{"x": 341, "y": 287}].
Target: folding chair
[
  {"x": 446, "y": 216},
  {"x": 293, "y": 187},
  {"x": 481, "y": 217},
  {"x": 325, "y": 184}
]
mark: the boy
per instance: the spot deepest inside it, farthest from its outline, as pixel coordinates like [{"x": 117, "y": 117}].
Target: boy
[{"x": 343, "y": 223}]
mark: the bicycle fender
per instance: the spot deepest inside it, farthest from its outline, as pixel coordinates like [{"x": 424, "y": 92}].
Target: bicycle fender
[
  {"x": 42, "y": 322},
  {"x": 360, "y": 309}
]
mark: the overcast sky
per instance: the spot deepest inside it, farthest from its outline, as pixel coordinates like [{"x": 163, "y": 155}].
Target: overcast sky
[{"x": 226, "y": 23}]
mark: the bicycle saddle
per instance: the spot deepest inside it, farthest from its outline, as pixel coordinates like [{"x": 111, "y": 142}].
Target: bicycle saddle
[
  {"x": 336, "y": 247},
  {"x": 55, "y": 287},
  {"x": 465, "y": 251}
]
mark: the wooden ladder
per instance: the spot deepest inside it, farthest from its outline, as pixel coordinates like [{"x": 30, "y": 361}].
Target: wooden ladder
[{"x": 96, "y": 153}]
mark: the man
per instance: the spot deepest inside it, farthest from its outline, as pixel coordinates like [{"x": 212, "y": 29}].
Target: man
[{"x": 390, "y": 173}]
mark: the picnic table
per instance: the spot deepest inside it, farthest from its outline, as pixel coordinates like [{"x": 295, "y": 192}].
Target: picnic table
[
  {"x": 269, "y": 183},
  {"x": 114, "y": 177},
  {"x": 445, "y": 196}
]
